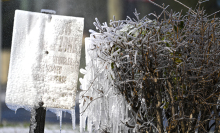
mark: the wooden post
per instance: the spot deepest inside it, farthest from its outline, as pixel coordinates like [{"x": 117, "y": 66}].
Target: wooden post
[{"x": 38, "y": 114}]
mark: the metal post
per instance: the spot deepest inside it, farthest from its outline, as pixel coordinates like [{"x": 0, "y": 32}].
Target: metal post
[
  {"x": 40, "y": 119},
  {"x": 0, "y": 59},
  {"x": 38, "y": 115}
]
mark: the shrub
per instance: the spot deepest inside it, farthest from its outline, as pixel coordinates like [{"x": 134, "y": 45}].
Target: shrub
[{"x": 158, "y": 75}]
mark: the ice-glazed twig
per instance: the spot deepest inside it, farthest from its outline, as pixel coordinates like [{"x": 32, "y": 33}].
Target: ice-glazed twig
[
  {"x": 185, "y": 6},
  {"x": 89, "y": 104},
  {"x": 213, "y": 13},
  {"x": 151, "y": 61},
  {"x": 158, "y": 6}
]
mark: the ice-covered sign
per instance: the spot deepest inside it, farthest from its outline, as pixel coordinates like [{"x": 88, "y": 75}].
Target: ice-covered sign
[{"x": 45, "y": 59}]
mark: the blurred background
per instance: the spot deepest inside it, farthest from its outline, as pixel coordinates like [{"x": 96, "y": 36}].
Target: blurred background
[{"x": 89, "y": 9}]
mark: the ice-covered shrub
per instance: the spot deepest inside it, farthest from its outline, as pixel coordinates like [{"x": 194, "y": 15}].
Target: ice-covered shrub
[{"x": 158, "y": 75}]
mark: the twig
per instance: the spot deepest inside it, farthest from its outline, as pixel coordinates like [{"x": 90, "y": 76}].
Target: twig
[
  {"x": 89, "y": 104},
  {"x": 185, "y": 6}
]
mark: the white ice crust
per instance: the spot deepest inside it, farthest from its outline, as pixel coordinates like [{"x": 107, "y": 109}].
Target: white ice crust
[
  {"x": 100, "y": 105},
  {"x": 45, "y": 58}
]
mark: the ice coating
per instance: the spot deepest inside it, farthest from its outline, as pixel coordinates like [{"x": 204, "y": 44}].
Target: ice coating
[
  {"x": 48, "y": 11},
  {"x": 99, "y": 104},
  {"x": 45, "y": 58},
  {"x": 73, "y": 117},
  {"x": 33, "y": 123},
  {"x": 60, "y": 112}
]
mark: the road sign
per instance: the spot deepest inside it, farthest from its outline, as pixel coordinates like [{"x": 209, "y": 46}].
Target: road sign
[{"x": 44, "y": 62}]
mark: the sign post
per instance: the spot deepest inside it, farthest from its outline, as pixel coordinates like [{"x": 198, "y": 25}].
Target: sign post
[
  {"x": 44, "y": 63},
  {"x": 38, "y": 115},
  {"x": 0, "y": 59}
]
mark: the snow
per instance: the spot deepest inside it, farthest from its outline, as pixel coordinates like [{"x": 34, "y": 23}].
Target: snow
[
  {"x": 33, "y": 123},
  {"x": 26, "y": 130}
]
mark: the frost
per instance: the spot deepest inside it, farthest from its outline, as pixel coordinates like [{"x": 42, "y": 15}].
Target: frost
[
  {"x": 33, "y": 124},
  {"x": 98, "y": 103},
  {"x": 43, "y": 71},
  {"x": 139, "y": 73},
  {"x": 48, "y": 11},
  {"x": 43, "y": 68}
]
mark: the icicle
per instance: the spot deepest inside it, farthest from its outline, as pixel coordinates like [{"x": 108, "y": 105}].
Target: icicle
[
  {"x": 60, "y": 112},
  {"x": 13, "y": 107},
  {"x": 73, "y": 118},
  {"x": 64, "y": 113},
  {"x": 102, "y": 112},
  {"x": 82, "y": 123},
  {"x": 89, "y": 125}
]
